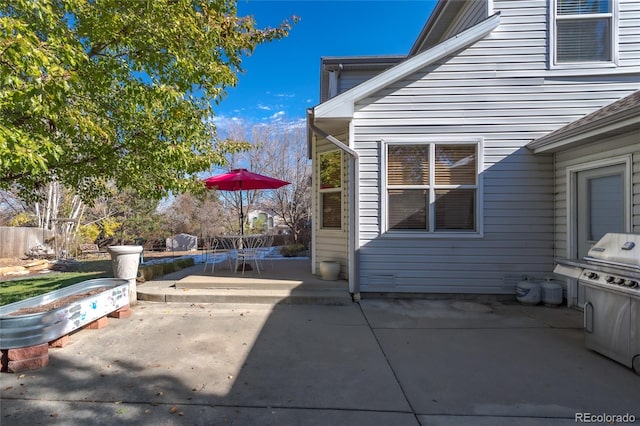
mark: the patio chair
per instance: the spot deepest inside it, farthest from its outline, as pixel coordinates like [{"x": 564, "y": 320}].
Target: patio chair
[
  {"x": 264, "y": 250},
  {"x": 248, "y": 252},
  {"x": 211, "y": 248},
  {"x": 230, "y": 245}
]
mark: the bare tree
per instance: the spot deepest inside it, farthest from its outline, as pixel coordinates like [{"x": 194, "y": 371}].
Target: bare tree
[
  {"x": 251, "y": 160},
  {"x": 200, "y": 216},
  {"x": 284, "y": 154},
  {"x": 11, "y": 206},
  {"x": 280, "y": 151}
]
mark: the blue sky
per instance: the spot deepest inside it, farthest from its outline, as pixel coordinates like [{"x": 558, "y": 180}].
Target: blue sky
[{"x": 281, "y": 78}]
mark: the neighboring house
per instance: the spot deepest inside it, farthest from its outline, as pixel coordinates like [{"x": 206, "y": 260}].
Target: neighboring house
[
  {"x": 268, "y": 221},
  {"x": 422, "y": 176}
]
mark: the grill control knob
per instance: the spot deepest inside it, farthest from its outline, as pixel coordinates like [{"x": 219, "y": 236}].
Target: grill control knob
[
  {"x": 618, "y": 281},
  {"x": 592, "y": 275},
  {"x": 630, "y": 283},
  {"x": 609, "y": 278}
]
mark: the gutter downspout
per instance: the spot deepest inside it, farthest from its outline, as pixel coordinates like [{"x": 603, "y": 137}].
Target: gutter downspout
[{"x": 354, "y": 187}]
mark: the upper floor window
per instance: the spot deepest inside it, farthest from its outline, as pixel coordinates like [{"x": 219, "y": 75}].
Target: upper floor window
[
  {"x": 584, "y": 31},
  {"x": 432, "y": 187},
  {"x": 331, "y": 189}
]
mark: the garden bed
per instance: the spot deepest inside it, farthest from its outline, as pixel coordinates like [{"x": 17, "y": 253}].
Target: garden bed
[{"x": 47, "y": 317}]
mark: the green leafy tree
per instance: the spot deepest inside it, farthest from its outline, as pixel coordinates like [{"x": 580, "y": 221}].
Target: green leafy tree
[
  {"x": 108, "y": 227},
  {"x": 22, "y": 219},
  {"x": 111, "y": 91},
  {"x": 132, "y": 216},
  {"x": 88, "y": 233}
]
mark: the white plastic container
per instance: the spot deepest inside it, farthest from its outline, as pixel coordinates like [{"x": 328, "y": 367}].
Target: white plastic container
[
  {"x": 528, "y": 292},
  {"x": 125, "y": 261},
  {"x": 551, "y": 293}
]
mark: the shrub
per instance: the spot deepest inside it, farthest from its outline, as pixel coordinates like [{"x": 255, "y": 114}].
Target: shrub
[
  {"x": 149, "y": 272},
  {"x": 292, "y": 250}
]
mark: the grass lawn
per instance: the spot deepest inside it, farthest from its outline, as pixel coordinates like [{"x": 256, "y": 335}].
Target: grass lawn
[{"x": 22, "y": 288}]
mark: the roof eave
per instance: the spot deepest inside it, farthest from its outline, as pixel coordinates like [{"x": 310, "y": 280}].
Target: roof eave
[
  {"x": 603, "y": 128},
  {"x": 342, "y": 106},
  {"x": 442, "y": 15}
]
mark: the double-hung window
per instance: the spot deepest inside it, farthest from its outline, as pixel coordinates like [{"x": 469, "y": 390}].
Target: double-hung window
[
  {"x": 432, "y": 188},
  {"x": 584, "y": 31},
  {"x": 331, "y": 189}
]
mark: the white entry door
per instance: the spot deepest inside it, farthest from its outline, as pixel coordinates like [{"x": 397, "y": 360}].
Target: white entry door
[{"x": 601, "y": 207}]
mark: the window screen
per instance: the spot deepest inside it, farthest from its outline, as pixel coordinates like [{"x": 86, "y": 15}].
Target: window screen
[
  {"x": 432, "y": 187},
  {"x": 331, "y": 189},
  {"x": 584, "y": 31}
]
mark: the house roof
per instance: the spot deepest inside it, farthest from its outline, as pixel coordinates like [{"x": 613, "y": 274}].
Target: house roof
[
  {"x": 443, "y": 14},
  {"x": 619, "y": 117},
  {"x": 349, "y": 63},
  {"x": 342, "y": 106}
]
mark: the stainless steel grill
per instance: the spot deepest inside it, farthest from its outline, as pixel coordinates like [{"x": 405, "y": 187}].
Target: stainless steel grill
[{"x": 610, "y": 274}]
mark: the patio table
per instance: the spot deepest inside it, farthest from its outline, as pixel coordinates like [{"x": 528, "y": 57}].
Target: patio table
[{"x": 243, "y": 249}]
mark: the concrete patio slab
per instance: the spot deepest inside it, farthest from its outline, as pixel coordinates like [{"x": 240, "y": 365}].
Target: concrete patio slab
[
  {"x": 304, "y": 362},
  {"x": 162, "y": 414},
  {"x": 380, "y": 362},
  {"x": 498, "y": 362},
  {"x": 420, "y": 313}
]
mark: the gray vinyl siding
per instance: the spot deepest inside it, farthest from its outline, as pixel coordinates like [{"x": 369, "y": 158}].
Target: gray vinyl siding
[
  {"x": 628, "y": 34},
  {"x": 331, "y": 244},
  {"x": 614, "y": 147},
  {"x": 500, "y": 90},
  {"x": 351, "y": 78},
  {"x": 470, "y": 15},
  {"x": 456, "y": 17}
]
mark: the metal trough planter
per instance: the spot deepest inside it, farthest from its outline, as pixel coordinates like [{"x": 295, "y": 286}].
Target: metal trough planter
[{"x": 20, "y": 331}]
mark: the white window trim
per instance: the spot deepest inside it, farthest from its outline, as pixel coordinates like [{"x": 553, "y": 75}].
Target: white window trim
[
  {"x": 329, "y": 190},
  {"x": 414, "y": 140},
  {"x": 584, "y": 65},
  {"x": 571, "y": 196}
]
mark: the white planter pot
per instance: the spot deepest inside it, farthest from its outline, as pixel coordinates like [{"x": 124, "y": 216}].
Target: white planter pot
[
  {"x": 329, "y": 270},
  {"x": 125, "y": 261}
]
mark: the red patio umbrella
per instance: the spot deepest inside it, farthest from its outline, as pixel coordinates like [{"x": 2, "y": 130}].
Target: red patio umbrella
[{"x": 240, "y": 180}]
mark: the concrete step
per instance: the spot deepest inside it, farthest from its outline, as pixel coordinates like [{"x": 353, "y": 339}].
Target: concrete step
[
  {"x": 316, "y": 296},
  {"x": 286, "y": 281}
]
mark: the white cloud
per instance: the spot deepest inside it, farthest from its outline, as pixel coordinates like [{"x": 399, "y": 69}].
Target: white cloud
[
  {"x": 264, "y": 107},
  {"x": 300, "y": 123},
  {"x": 277, "y": 116},
  {"x": 223, "y": 121}
]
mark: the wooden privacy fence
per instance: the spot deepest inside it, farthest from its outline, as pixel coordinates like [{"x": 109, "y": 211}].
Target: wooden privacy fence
[{"x": 16, "y": 241}]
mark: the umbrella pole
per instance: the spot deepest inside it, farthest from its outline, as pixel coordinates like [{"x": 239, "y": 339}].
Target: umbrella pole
[
  {"x": 241, "y": 216},
  {"x": 244, "y": 264}
]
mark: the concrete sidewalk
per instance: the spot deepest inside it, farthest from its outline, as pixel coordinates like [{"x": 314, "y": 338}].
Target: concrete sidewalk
[{"x": 379, "y": 362}]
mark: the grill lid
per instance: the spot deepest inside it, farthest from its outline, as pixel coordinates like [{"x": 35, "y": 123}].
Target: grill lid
[{"x": 621, "y": 249}]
